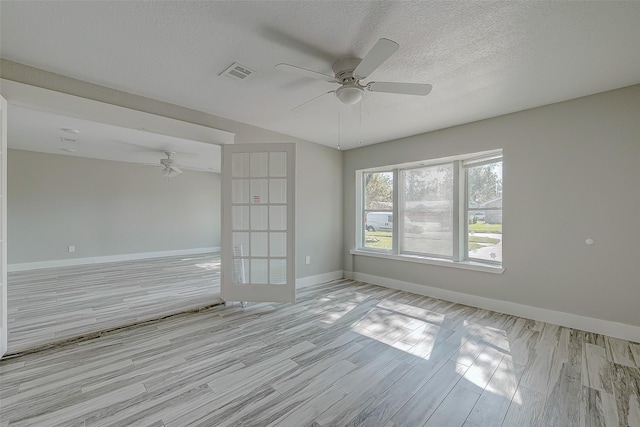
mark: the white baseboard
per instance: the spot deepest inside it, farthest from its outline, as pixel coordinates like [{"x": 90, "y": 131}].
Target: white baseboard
[
  {"x": 575, "y": 321},
  {"x": 108, "y": 258},
  {"x": 318, "y": 278}
]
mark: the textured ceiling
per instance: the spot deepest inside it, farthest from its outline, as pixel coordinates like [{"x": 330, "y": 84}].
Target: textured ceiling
[{"x": 483, "y": 59}]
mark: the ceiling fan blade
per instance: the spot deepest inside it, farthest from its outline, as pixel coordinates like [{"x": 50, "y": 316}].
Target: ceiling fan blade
[
  {"x": 171, "y": 171},
  {"x": 306, "y": 73},
  {"x": 403, "y": 88},
  {"x": 312, "y": 99},
  {"x": 380, "y": 52}
]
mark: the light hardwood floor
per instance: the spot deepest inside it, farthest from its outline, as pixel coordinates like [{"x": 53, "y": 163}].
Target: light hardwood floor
[
  {"x": 54, "y": 304},
  {"x": 347, "y": 354}
]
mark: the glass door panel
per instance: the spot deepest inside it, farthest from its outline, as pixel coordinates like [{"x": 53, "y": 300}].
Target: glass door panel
[{"x": 258, "y": 258}]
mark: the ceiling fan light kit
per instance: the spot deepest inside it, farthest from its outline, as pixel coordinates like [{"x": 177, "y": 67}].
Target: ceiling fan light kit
[
  {"x": 350, "y": 94},
  {"x": 171, "y": 169},
  {"x": 169, "y": 172}
]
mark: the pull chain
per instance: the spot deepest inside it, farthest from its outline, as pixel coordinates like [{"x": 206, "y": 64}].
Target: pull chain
[{"x": 339, "y": 125}]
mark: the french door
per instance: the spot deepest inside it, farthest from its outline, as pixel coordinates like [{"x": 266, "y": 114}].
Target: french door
[{"x": 258, "y": 222}]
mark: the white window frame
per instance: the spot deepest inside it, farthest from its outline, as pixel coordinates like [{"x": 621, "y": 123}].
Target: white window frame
[{"x": 460, "y": 258}]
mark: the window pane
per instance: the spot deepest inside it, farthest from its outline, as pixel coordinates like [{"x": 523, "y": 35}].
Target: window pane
[
  {"x": 484, "y": 185},
  {"x": 484, "y": 216},
  {"x": 378, "y": 215},
  {"x": 378, "y": 191},
  {"x": 485, "y": 235},
  {"x": 428, "y": 210}
]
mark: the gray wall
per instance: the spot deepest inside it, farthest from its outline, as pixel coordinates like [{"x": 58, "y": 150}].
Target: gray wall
[
  {"x": 318, "y": 209},
  {"x": 571, "y": 172},
  {"x": 105, "y": 208},
  {"x": 319, "y": 179}
]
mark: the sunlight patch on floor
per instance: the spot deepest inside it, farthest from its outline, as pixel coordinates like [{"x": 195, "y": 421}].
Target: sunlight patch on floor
[{"x": 400, "y": 330}]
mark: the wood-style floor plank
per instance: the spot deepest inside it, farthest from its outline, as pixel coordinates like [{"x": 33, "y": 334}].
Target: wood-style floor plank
[
  {"x": 54, "y": 304},
  {"x": 346, "y": 354}
]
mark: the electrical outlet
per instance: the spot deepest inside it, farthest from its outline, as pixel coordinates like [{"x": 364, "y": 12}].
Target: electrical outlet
[
  {"x": 307, "y": 260},
  {"x": 72, "y": 248}
]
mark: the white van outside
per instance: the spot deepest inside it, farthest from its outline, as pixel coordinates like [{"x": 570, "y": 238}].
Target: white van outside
[{"x": 378, "y": 221}]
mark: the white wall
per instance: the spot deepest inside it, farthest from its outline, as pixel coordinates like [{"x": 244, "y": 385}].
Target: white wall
[
  {"x": 571, "y": 172},
  {"x": 105, "y": 208}
]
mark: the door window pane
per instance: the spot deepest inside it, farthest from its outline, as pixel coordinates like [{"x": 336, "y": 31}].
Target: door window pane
[
  {"x": 240, "y": 220},
  {"x": 428, "y": 210},
  {"x": 278, "y": 191},
  {"x": 259, "y": 244},
  {"x": 278, "y": 244},
  {"x": 278, "y": 271},
  {"x": 259, "y": 191},
  {"x": 277, "y": 217},
  {"x": 240, "y": 165},
  {"x": 278, "y": 164},
  {"x": 241, "y": 244},
  {"x": 259, "y": 271},
  {"x": 259, "y": 217},
  {"x": 240, "y": 271},
  {"x": 259, "y": 164},
  {"x": 240, "y": 191}
]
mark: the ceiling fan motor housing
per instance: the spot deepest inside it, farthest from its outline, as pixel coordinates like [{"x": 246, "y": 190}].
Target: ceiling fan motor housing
[
  {"x": 343, "y": 69},
  {"x": 350, "y": 92},
  {"x": 168, "y": 161}
]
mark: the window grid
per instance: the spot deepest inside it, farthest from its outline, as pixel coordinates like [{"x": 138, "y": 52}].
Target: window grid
[{"x": 266, "y": 179}]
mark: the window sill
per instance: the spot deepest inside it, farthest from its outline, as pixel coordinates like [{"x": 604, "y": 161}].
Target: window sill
[{"x": 464, "y": 265}]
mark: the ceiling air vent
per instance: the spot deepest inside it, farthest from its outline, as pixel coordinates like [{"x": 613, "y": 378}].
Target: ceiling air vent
[{"x": 237, "y": 72}]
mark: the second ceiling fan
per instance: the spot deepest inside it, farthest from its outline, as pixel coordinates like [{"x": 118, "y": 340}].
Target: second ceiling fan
[{"x": 350, "y": 71}]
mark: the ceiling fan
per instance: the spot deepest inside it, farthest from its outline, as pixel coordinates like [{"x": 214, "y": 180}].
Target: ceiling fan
[
  {"x": 171, "y": 169},
  {"x": 350, "y": 71}
]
